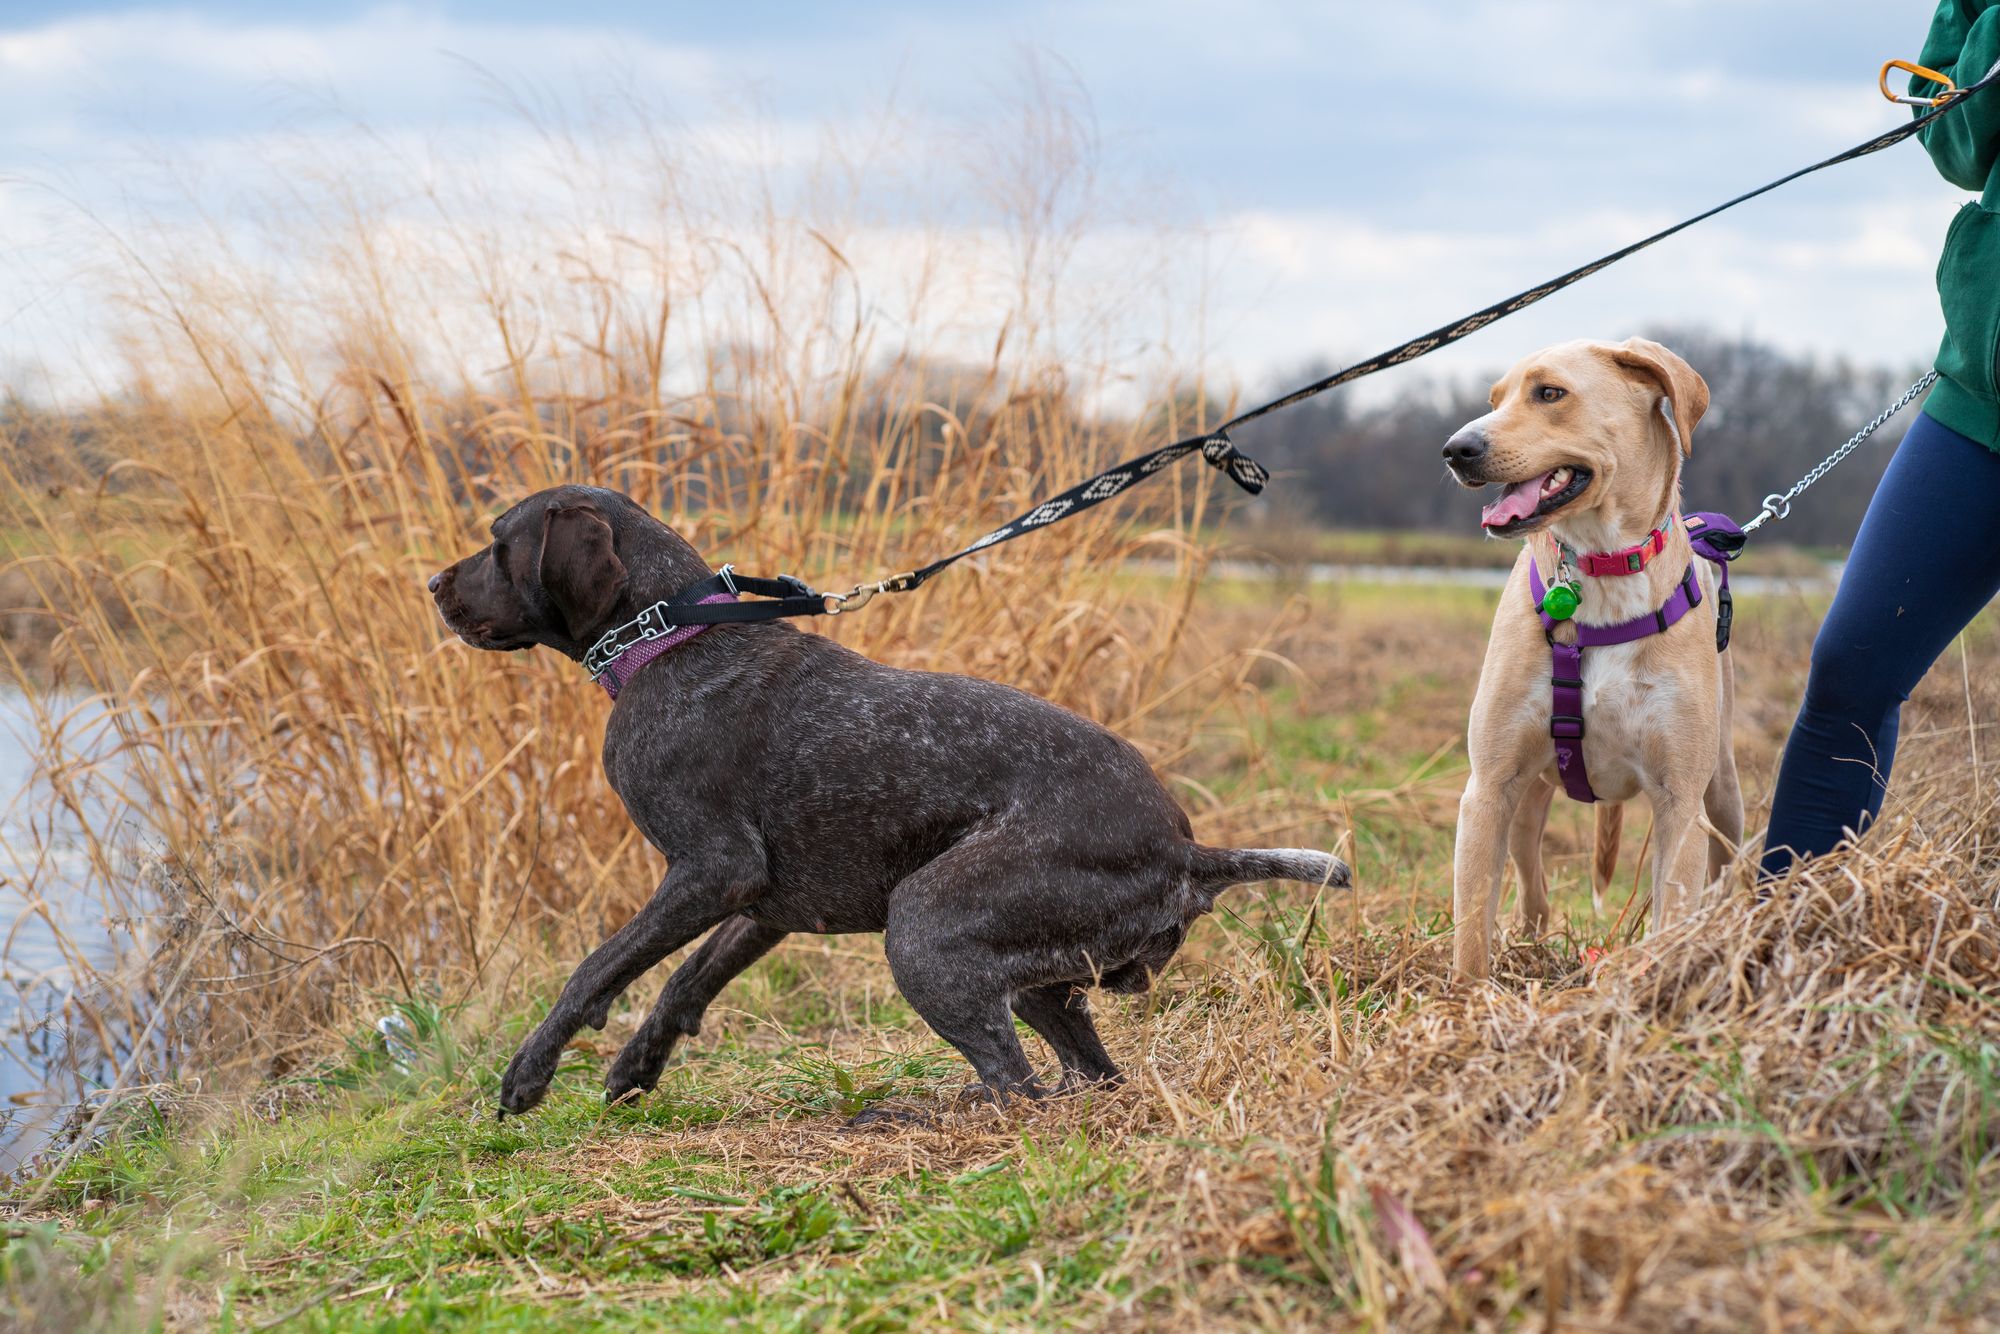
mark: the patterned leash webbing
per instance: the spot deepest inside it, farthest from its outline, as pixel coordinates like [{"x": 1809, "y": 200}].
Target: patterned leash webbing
[{"x": 1220, "y": 451}]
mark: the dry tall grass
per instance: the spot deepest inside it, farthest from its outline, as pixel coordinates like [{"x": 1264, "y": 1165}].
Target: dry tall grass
[
  {"x": 1777, "y": 1116},
  {"x": 340, "y": 802},
  {"x": 1783, "y": 1115}
]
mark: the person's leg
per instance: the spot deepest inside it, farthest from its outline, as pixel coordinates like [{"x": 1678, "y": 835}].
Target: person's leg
[{"x": 1926, "y": 559}]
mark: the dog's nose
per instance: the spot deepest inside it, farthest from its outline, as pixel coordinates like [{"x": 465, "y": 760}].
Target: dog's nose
[
  {"x": 1468, "y": 446},
  {"x": 437, "y": 581}
]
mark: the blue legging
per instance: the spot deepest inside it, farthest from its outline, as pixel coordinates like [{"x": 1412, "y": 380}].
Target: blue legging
[{"x": 1926, "y": 560}]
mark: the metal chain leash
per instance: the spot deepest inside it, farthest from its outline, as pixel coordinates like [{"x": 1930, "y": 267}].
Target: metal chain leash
[{"x": 1777, "y": 506}]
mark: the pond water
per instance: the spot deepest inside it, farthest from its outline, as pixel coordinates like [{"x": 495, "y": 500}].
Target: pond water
[{"x": 45, "y": 901}]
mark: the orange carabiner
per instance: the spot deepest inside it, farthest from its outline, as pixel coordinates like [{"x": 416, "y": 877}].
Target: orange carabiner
[{"x": 1917, "y": 71}]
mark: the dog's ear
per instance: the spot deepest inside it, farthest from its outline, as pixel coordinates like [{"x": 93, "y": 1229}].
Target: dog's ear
[
  {"x": 1686, "y": 391},
  {"x": 578, "y": 568}
]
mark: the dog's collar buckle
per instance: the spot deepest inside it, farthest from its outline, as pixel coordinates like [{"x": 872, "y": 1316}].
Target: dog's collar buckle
[
  {"x": 623, "y": 650},
  {"x": 650, "y": 637},
  {"x": 1625, "y": 560}
]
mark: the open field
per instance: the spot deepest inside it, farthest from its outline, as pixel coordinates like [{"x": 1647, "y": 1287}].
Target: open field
[
  {"x": 1781, "y": 1116},
  {"x": 1785, "y": 1115}
]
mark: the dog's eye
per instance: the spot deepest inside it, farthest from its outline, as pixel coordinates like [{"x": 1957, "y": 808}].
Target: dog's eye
[{"x": 1549, "y": 393}]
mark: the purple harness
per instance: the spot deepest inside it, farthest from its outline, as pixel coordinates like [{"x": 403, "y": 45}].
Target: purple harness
[{"x": 1714, "y": 537}]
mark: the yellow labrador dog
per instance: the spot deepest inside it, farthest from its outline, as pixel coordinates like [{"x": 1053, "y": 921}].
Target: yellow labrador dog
[{"x": 1605, "y": 676}]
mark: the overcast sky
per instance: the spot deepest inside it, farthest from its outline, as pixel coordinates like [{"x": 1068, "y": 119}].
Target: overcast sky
[{"x": 1343, "y": 174}]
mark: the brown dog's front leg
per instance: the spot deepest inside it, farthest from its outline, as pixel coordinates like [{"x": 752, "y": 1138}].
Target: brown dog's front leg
[
  {"x": 688, "y": 902},
  {"x": 729, "y": 949}
]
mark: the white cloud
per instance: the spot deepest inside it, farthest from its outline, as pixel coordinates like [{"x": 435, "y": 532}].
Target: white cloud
[
  {"x": 1364, "y": 172},
  {"x": 1341, "y": 286}
]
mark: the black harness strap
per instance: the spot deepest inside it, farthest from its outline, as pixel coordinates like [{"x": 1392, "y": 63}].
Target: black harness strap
[{"x": 784, "y": 596}]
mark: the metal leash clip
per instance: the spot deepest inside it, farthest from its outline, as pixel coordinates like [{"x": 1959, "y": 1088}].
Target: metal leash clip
[
  {"x": 854, "y": 599},
  {"x": 1914, "y": 70},
  {"x": 1777, "y": 505}
]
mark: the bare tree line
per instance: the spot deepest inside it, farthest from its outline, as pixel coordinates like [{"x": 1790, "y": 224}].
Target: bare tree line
[{"x": 1773, "y": 414}]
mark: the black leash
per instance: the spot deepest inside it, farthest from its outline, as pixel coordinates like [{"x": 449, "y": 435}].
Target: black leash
[{"x": 790, "y": 597}]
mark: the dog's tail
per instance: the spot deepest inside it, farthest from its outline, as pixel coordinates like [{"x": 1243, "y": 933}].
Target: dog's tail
[
  {"x": 1212, "y": 870},
  {"x": 1604, "y": 864}
]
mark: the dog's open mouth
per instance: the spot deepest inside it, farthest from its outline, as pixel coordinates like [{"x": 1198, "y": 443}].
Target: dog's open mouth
[{"x": 1521, "y": 504}]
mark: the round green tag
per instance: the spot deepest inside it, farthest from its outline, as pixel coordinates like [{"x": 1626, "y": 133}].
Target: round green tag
[{"x": 1560, "y": 602}]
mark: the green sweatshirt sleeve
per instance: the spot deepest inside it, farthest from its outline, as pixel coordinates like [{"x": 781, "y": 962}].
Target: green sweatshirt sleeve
[
  {"x": 1964, "y": 42},
  {"x": 1964, "y": 144}
]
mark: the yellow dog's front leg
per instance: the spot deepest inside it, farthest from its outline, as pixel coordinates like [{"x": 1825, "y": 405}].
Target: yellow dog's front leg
[{"x": 1484, "y": 814}]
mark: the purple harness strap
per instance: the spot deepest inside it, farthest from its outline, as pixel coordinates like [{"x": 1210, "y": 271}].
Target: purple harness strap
[
  {"x": 1566, "y": 727},
  {"x": 626, "y": 665}
]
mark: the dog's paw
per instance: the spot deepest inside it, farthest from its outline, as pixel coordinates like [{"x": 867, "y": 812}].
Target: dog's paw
[
  {"x": 632, "y": 1074},
  {"x": 526, "y": 1081},
  {"x": 640, "y": 1061},
  {"x": 618, "y": 1092},
  {"x": 985, "y": 1095}
]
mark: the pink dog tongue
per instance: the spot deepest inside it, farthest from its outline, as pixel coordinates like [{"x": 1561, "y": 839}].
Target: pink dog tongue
[{"x": 1518, "y": 501}]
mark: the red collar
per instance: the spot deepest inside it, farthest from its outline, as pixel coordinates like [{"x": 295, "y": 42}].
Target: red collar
[{"x": 1626, "y": 560}]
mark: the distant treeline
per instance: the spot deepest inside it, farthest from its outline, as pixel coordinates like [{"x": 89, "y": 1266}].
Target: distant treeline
[{"x": 1772, "y": 416}]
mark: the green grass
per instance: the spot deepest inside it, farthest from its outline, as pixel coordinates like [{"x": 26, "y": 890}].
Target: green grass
[
  {"x": 377, "y": 1193},
  {"x": 395, "y": 1201}
]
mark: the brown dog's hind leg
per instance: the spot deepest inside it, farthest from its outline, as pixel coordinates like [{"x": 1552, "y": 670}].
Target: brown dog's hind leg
[
  {"x": 967, "y": 1011},
  {"x": 729, "y": 949},
  {"x": 957, "y": 982},
  {"x": 1723, "y": 802},
  {"x": 1524, "y": 841},
  {"x": 1060, "y": 1012}
]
